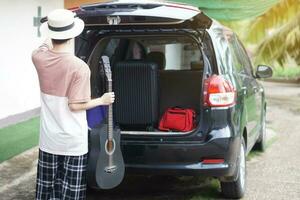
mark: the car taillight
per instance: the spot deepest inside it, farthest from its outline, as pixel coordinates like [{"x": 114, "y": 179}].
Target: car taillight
[
  {"x": 218, "y": 92},
  {"x": 212, "y": 161}
]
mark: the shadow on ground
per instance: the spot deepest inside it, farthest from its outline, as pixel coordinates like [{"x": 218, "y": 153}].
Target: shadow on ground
[{"x": 160, "y": 187}]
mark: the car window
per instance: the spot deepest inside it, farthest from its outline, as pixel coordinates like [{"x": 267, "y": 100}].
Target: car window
[
  {"x": 240, "y": 59},
  {"x": 179, "y": 55},
  {"x": 246, "y": 60},
  {"x": 237, "y": 63},
  {"x": 171, "y": 53},
  {"x": 223, "y": 53}
]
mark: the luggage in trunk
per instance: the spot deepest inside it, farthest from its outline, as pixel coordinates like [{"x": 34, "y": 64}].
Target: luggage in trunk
[{"x": 136, "y": 89}]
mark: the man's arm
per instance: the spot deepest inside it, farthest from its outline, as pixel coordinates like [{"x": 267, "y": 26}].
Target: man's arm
[
  {"x": 106, "y": 99},
  {"x": 45, "y": 46}
]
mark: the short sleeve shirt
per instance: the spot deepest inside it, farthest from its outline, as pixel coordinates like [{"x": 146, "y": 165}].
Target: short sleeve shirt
[{"x": 63, "y": 79}]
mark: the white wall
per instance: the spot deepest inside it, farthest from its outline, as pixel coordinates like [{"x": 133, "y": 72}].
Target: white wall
[{"x": 19, "y": 88}]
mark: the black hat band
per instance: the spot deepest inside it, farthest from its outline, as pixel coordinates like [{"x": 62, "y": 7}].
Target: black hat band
[{"x": 59, "y": 29}]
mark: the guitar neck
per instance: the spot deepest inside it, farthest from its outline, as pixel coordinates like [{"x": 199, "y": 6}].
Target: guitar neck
[{"x": 110, "y": 114}]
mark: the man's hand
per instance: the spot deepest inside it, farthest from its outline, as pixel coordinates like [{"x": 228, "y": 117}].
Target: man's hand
[{"x": 108, "y": 98}]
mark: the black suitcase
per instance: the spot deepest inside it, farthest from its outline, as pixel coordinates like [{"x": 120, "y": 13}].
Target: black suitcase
[{"x": 135, "y": 85}]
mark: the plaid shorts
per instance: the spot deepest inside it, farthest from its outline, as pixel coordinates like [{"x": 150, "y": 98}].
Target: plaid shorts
[{"x": 61, "y": 177}]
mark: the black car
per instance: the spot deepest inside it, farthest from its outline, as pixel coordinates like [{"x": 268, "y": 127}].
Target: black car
[{"x": 166, "y": 55}]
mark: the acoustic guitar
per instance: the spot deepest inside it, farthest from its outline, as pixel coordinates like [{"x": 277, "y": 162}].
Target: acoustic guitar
[{"x": 106, "y": 165}]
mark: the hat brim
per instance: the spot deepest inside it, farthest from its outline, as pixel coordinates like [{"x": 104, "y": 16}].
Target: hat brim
[{"x": 62, "y": 35}]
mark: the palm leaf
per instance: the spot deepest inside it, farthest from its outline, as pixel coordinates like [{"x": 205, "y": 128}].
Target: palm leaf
[
  {"x": 293, "y": 44},
  {"x": 276, "y": 16},
  {"x": 282, "y": 43}
]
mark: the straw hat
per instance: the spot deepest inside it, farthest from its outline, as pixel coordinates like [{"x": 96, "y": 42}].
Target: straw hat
[{"x": 62, "y": 24}]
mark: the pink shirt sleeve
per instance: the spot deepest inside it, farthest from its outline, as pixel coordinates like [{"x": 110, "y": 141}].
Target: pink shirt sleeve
[
  {"x": 80, "y": 89},
  {"x": 35, "y": 54}
]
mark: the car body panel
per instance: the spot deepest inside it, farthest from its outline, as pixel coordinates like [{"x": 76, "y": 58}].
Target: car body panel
[
  {"x": 250, "y": 96},
  {"x": 185, "y": 158}
]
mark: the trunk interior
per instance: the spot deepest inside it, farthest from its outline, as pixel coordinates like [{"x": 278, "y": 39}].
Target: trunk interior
[{"x": 150, "y": 74}]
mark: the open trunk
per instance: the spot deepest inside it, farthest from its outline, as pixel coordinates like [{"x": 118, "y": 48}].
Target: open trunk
[
  {"x": 155, "y": 57},
  {"x": 151, "y": 73}
]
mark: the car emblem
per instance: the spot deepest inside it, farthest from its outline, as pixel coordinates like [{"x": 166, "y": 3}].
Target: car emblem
[{"x": 113, "y": 20}]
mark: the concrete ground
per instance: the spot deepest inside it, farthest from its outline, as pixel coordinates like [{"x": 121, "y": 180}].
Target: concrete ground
[{"x": 274, "y": 174}]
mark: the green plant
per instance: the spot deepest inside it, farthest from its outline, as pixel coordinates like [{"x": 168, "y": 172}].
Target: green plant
[
  {"x": 278, "y": 33},
  {"x": 286, "y": 72}
]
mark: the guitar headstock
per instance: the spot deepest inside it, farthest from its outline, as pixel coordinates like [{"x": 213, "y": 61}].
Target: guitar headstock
[{"x": 107, "y": 68}]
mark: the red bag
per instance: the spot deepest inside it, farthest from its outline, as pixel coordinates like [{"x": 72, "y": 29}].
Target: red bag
[{"x": 178, "y": 119}]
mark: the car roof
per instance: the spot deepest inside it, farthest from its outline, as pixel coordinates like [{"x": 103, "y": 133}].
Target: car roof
[{"x": 161, "y": 9}]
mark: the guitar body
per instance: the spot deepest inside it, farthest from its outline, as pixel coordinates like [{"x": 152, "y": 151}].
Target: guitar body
[
  {"x": 109, "y": 177},
  {"x": 99, "y": 160}
]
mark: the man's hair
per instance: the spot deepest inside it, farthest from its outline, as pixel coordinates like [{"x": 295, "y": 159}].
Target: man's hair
[{"x": 55, "y": 41}]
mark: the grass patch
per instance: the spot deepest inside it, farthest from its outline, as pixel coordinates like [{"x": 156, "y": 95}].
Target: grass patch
[
  {"x": 287, "y": 72},
  {"x": 210, "y": 191},
  {"x": 16, "y": 139},
  {"x": 252, "y": 154},
  {"x": 255, "y": 153},
  {"x": 271, "y": 141}
]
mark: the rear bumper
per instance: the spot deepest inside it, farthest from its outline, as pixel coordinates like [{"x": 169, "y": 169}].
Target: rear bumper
[
  {"x": 183, "y": 158},
  {"x": 199, "y": 169}
]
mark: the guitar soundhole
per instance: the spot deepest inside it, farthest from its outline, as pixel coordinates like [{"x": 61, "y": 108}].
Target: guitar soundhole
[{"x": 110, "y": 146}]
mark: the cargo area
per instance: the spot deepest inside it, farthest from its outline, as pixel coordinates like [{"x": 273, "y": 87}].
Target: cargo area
[{"x": 150, "y": 74}]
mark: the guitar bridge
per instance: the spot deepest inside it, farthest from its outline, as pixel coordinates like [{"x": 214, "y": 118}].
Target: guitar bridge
[{"x": 110, "y": 169}]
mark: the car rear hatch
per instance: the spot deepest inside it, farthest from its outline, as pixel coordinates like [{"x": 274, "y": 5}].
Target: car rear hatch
[
  {"x": 137, "y": 13},
  {"x": 145, "y": 15}
]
